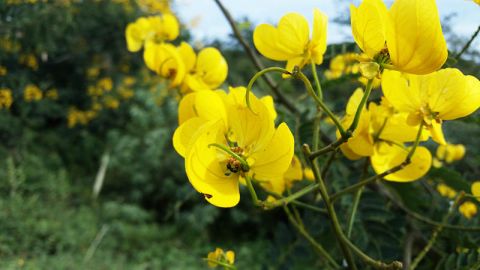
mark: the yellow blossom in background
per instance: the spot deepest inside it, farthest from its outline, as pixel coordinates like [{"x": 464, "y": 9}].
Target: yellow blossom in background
[
  {"x": 219, "y": 256},
  {"x": 94, "y": 91},
  {"x": 409, "y": 35},
  {"x": 213, "y": 117},
  {"x": 205, "y": 71},
  {"x": 111, "y": 102},
  {"x": 8, "y": 45},
  {"x": 446, "y": 191},
  {"x": 3, "y": 70},
  {"x": 93, "y": 72},
  {"x": 52, "y": 94},
  {"x": 78, "y": 117},
  {"x": 443, "y": 95},
  {"x": 308, "y": 174},
  {"x": 449, "y": 153},
  {"x": 125, "y": 93},
  {"x": 155, "y": 6},
  {"x": 468, "y": 209},
  {"x": 290, "y": 41},
  {"x": 129, "y": 81},
  {"x": 476, "y": 189},
  {"x": 345, "y": 64},
  {"x": 6, "y": 98},
  {"x": 157, "y": 29},
  {"x": 29, "y": 60},
  {"x": 105, "y": 84},
  {"x": 477, "y": 2},
  {"x": 32, "y": 93}
]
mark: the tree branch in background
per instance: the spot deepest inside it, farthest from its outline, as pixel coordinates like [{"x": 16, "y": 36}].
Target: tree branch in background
[{"x": 467, "y": 45}]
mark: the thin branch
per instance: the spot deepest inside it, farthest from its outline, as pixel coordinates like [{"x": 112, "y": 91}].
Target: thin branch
[{"x": 467, "y": 45}]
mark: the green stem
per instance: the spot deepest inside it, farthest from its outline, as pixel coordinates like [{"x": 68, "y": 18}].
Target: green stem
[
  {"x": 233, "y": 154},
  {"x": 316, "y": 130},
  {"x": 331, "y": 211},
  {"x": 435, "y": 234},
  {"x": 317, "y": 246},
  {"x": 356, "y": 201},
  {"x": 252, "y": 191},
  {"x": 361, "y": 106},
  {"x": 297, "y": 74},
  {"x": 258, "y": 75},
  {"x": 290, "y": 198},
  {"x": 317, "y": 82},
  {"x": 329, "y": 148}
]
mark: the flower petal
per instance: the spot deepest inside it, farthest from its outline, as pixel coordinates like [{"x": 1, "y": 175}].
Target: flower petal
[
  {"x": 388, "y": 156},
  {"x": 369, "y": 22},
  {"x": 275, "y": 158},
  {"x": 205, "y": 171},
  {"x": 414, "y": 36}
]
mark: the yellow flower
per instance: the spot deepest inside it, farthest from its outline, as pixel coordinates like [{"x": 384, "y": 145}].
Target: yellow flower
[
  {"x": 6, "y": 98},
  {"x": 125, "y": 93},
  {"x": 111, "y": 102},
  {"x": 450, "y": 152},
  {"x": 210, "y": 118},
  {"x": 477, "y": 2},
  {"x": 105, "y": 84},
  {"x": 446, "y": 191},
  {"x": 476, "y": 189},
  {"x": 290, "y": 41},
  {"x": 308, "y": 174},
  {"x": 206, "y": 71},
  {"x": 154, "y": 28},
  {"x": 52, "y": 94},
  {"x": 443, "y": 95},
  {"x": 219, "y": 255},
  {"x": 3, "y": 70},
  {"x": 377, "y": 137},
  {"x": 29, "y": 60},
  {"x": 409, "y": 34},
  {"x": 164, "y": 59},
  {"x": 32, "y": 93},
  {"x": 468, "y": 209}
]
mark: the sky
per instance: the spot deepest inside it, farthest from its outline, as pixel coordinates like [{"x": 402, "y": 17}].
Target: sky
[{"x": 207, "y": 22}]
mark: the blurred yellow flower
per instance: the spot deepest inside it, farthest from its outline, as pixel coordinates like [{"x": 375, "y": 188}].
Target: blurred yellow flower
[
  {"x": 290, "y": 41},
  {"x": 151, "y": 29},
  {"x": 219, "y": 256},
  {"x": 443, "y": 95},
  {"x": 476, "y": 189},
  {"x": 29, "y": 60},
  {"x": 468, "y": 209},
  {"x": 105, "y": 84},
  {"x": 111, "y": 102},
  {"x": 79, "y": 117},
  {"x": 52, "y": 94},
  {"x": 32, "y": 93},
  {"x": 93, "y": 72},
  {"x": 409, "y": 35},
  {"x": 450, "y": 152},
  {"x": 3, "y": 70},
  {"x": 446, "y": 191},
  {"x": 125, "y": 93},
  {"x": 6, "y": 98},
  {"x": 204, "y": 71}
]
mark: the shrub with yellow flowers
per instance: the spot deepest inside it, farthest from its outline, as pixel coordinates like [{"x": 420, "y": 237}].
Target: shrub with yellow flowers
[{"x": 233, "y": 140}]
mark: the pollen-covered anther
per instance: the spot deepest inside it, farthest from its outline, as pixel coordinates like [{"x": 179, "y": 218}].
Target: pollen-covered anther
[{"x": 233, "y": 165}]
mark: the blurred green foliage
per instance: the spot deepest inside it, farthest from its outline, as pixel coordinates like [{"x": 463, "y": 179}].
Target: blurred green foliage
[{"x": 147, "y": 215}]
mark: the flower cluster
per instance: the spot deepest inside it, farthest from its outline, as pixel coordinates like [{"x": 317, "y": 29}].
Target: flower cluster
[
  {"x": 206, "y": 70},
  {"x": 220, "y": 257}
]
